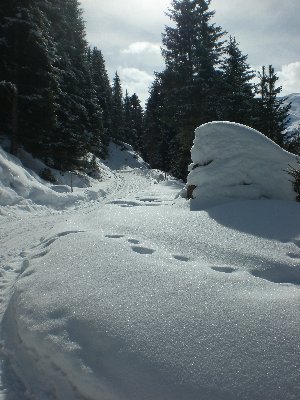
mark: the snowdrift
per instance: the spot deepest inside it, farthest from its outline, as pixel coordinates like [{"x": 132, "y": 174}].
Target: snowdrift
[
  {"x": 232, "y": 161},
  {"x": 22, "y": 186},
  {"x": 154, "y": 302}
]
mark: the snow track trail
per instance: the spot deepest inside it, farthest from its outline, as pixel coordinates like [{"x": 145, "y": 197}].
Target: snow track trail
[
  {"x": 27, "y": 235},
  {"x": 132, "y": 296}
]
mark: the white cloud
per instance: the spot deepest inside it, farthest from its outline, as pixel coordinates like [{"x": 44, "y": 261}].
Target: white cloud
[
  {"x": 142, "y": 47},
  {"x": 289, "y": 78},
  {"x": 136, "y": 81}
]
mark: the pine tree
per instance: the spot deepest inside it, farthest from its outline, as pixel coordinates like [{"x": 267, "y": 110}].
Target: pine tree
[
  {"x": 25, "y": 63},
  {"x": 236, "y": 90},
  {"x": 136, "y": 112},
  {"x": 117, "y": 114},
  {"x": 102, "y": 88},
  {"x": 79, "y": 115},
  {"x": 133, "y": 121},
  {"x": 192, "y": 50},
  {"x": 155, "y": 138},
  {"x": 271, "y": 113},
  {"x": 291, "y": 140}
]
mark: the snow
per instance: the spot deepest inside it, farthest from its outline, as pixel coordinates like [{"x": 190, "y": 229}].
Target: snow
[
  {"x": 232, "y": 161},
  {"x": 294, "y": 113},
  {"x": 128, "y": 295},
  {"x": 23, "y": 186}
]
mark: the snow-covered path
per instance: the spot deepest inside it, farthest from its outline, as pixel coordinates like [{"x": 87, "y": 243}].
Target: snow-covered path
[
  {"x": 24, "y": 233},
  {"x": 131, "y": 296}
]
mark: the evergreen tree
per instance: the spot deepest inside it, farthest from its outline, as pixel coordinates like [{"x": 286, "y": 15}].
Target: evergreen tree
[
  {"x": 26, "y": 63},
  {"x": 133, "y": 121},
  {"x": 291, "y": 140},
  {"x": 127, "y": 127},
  {"x": 79, "y": 114},
  {"x": 155, "y": 138},
  {"x": 117, "y": 114},
  {"x": 136, "y": 113},
  {"x": 271, "y": 113},
  {"x": 54, "y": 109},
  {"x": 102, "y": 88},
  {"x": 236, "y": 90},
  {"x": 192, "y": 50}
]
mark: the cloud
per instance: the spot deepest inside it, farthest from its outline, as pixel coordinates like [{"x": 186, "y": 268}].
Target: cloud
[
  {"x": 142, "y": 47},
  {"x": 289, "y": 78},
  {"x": 136, "y": 81}
]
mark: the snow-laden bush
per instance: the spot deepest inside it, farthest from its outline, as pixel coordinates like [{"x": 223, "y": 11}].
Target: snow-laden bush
[{"x": 232, "y": 161}]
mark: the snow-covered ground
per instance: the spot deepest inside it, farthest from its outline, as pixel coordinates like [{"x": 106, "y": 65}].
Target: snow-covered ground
[
  {"x": 119, "y": 291},
  {"x": 294, "y": 114}
]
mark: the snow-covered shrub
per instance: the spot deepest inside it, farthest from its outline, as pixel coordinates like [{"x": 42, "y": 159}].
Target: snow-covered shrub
[
  {"x": 47, "y": 175},
  {"x": 232, "y": 161}
]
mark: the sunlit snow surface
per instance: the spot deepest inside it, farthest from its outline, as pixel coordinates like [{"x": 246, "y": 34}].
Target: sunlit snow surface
[
  {"x": 232, "y": 161},
  {"x": 133, "y": 296}
]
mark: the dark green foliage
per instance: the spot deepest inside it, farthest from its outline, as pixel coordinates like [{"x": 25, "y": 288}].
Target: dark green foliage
[
  {"x": 133, "y": 121},
  {"x": 117, "y": 110},
  {"x": 295, "y": 173},
  {"x": 155, "y": 139},
  {"x": 47, "y": 175},
  {"x": 79, "y": 114},
  {"x": 292, "y": 141},
  {"x": 192, "y": 50},
  {"x": 102, "y": 89},
  {"x": 25, "y": 62},
  {"x": 43, "y": 52},
  {"x": 271, "y": 113},
  {"x": 236, "y": 92}
]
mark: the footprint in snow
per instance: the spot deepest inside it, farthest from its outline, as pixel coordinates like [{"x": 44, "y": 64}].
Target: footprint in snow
[
  {"x": 226, "y": 270},
  {"x": 181, "y": 258},
  {"x": 49, "y": 241},
  {"x": 114, "y": 236},
  {"x": 142, "y": 250},
  {"x": 133, "y": 241},
  {"x": 67, "y": 233}
]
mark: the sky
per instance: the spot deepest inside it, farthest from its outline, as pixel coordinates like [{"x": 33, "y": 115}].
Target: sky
[{"x": 129, "y": 34}]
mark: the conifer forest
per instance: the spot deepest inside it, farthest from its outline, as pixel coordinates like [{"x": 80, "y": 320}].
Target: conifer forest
[{"x": 57, "y": 101}]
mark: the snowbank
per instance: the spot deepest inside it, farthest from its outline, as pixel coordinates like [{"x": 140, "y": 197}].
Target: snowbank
[
  {"x": 232, "y": 161},
  {"x": 21, "y": 186},
  {"x": 153, "y": 302},
  {"x": 124, "y": 157}
]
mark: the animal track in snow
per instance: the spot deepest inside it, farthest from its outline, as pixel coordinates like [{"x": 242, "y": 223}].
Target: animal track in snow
[
  {"x": 41, "y": 254},
  {"x": 67, "y": 233},
  {"x": 49, "y": 241},
  {"x": 181, "y": 258},
  {"x": 125, "y": 203},
  {"x": 142, "y": 250},
  {"x": 133, "y": 241},
  {"x": 227, "y": 270},
  {"x": 279, "y": 274},
  {"x": 114, "y": 236}
]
